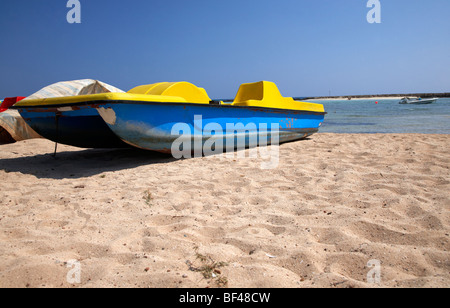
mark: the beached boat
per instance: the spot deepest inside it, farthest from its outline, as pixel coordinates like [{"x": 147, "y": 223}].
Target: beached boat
[
  {"x": 166, "y": 116},
  {"x": 57, "y": 113},
  {"x": 417, "y": 101},
  {"x": 155, "y": 117}
]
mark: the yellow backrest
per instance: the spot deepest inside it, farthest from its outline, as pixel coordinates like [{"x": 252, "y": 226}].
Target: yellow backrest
[
  {"x": 266, "y": 94},
  {"x": 262, "y": 92},
  {"x": 250, "y": 91},
  {"x": 186, "y": 90}
]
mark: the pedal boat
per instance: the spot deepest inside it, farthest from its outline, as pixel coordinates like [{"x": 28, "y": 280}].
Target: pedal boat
[
  {"x": 154, "y": 117},
  {"x": 72, "y": 119}
]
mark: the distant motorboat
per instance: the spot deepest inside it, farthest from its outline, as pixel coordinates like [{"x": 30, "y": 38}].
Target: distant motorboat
[{"x": 417, "y": 101}]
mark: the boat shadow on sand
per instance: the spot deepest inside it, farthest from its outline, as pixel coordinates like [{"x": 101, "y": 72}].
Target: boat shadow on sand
[
  {"x": 90, "y": 162},
  {"x": 83, "y": 163}
]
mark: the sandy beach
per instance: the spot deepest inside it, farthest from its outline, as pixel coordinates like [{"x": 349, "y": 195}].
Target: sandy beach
[{"x": 335, "y": 204}]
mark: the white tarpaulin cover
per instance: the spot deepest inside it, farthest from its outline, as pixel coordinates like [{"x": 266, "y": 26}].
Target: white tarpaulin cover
[{"x": 74, "y": 88}]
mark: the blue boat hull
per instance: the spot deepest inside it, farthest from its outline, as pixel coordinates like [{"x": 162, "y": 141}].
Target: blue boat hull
[
  {"x": 157, "y": 126},
  {"x": 79, "y": 126}
]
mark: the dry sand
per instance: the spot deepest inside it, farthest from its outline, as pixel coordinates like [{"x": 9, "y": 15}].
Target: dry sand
[{"x": 137, "y": 219}]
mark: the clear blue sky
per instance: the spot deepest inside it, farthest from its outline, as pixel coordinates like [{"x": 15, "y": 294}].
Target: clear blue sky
[{"x": 307, "y": 47}]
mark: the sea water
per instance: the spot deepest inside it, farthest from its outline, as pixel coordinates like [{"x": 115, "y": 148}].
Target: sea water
[{"x": 386, "y": 116}]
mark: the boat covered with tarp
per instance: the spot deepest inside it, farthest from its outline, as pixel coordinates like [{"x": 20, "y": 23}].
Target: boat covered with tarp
[{"x": 72, "y": 124}]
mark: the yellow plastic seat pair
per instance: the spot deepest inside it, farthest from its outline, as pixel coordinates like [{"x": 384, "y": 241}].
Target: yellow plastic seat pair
[{"x": 258, "y": 94}]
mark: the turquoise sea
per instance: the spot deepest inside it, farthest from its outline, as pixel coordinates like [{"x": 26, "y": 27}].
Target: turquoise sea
[{"x": 388, "y": 116}]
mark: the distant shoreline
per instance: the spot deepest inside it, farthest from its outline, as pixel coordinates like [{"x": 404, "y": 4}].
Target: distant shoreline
[{"x": 377, "y": 96}]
